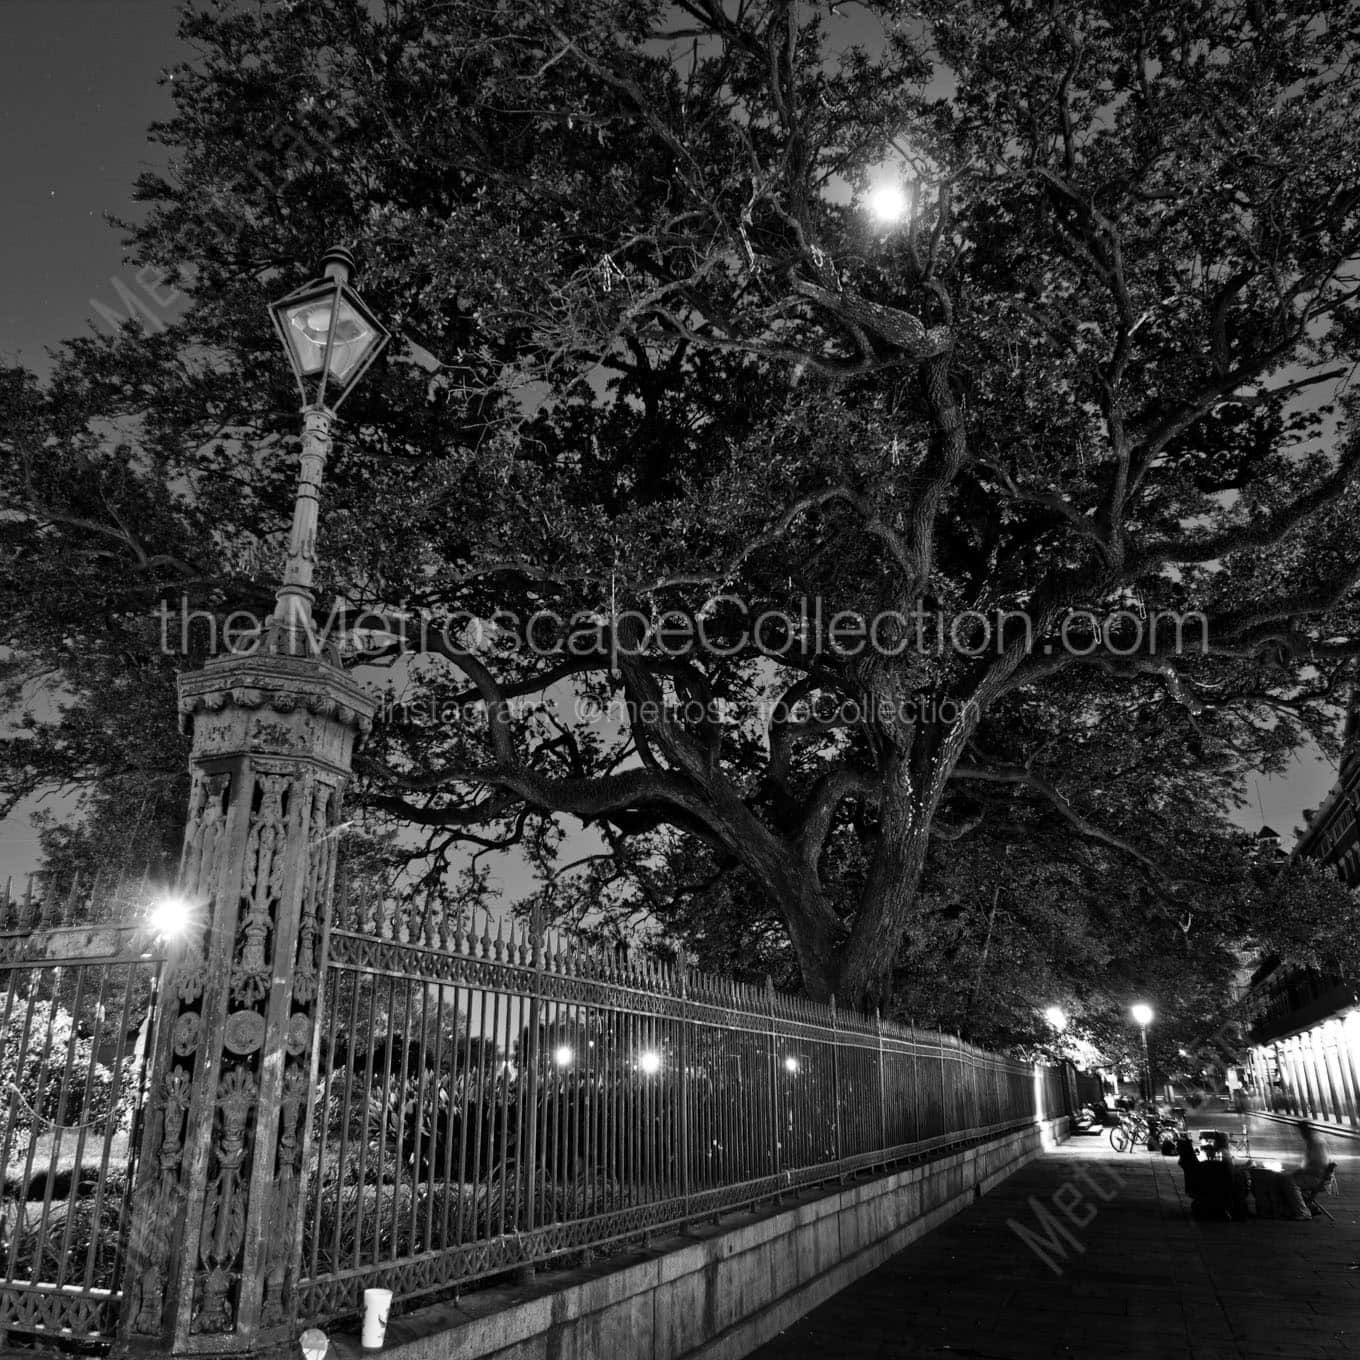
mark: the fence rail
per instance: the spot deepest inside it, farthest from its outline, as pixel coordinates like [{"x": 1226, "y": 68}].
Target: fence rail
[
  {"x": 77, "y": 988},
  {"x": 485, "y": 1100},
  {"x": 488, "y": 1101}
]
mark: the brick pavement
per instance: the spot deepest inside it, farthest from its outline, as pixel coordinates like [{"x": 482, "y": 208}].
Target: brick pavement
[{"x": 1140, "y": 1280}]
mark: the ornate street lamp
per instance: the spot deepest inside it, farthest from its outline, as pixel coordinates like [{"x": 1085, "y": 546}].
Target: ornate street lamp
[
  {"x": 215, "y": 1217},
  {"x": 331, "y": 339},
  {"x": 329, "y": 333}
]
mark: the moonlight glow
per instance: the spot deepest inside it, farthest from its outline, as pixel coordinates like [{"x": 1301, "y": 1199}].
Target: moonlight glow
[{"x": 887, "y": 202}]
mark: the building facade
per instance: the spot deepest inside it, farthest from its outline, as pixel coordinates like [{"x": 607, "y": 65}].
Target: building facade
[{"x": 1305, "y": 1054}]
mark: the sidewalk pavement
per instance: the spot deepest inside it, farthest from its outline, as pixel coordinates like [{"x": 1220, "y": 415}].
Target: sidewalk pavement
[{"x": 1138, "y": 1280}]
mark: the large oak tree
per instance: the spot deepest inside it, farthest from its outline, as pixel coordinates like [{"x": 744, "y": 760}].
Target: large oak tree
[{"x": 653, "y": 354}]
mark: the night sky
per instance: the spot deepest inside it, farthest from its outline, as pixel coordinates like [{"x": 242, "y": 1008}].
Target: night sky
[
  {"x": 79, "y": 84},
  {"x": 78, "y": 88}
]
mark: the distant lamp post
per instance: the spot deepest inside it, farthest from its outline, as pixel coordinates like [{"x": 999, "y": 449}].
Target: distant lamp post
[
  {"x": 563, "y": 1055},
  {"x": 650, "y": 1063},
  {"x": 1142, "y": 1014},
  {"x": 1056, "y": 1017},
  {"x": 791, "y": 1064},
  {"x": 331, "y": 338}
]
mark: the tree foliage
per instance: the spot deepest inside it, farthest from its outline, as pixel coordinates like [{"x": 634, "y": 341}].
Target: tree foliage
[{"x": 653, "y": 356}]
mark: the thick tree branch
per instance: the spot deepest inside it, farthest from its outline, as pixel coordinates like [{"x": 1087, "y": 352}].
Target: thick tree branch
[{"x": 1025, "y": 778}]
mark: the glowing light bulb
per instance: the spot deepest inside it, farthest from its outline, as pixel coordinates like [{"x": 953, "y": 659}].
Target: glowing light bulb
[
  {"x": 563, "y": 1055},
  {"x": 650, "y": 1063}
]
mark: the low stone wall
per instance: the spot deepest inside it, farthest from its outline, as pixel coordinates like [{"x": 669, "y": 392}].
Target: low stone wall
[
  {"x": 1323, "y": 1126},
  {"x": 717, "y": 1291}
]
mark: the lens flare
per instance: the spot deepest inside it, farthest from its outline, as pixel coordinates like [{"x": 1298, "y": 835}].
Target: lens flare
[{"x": 171, "y": 917}]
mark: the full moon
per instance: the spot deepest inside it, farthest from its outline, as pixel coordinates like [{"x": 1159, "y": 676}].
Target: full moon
[{"x": 887, "y": 202}]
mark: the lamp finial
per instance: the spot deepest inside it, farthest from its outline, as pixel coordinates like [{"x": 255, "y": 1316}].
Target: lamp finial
[{"x": 338, "y": 263}]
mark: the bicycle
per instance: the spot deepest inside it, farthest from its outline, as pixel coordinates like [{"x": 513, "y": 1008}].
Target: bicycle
[
  {"x": 1132, "y": 1129},
  {"x": 1239, "y": 1145}
]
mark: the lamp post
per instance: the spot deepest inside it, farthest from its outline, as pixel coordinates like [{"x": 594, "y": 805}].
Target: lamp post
[
  {"x": 331, "y": 339},
  {"x": 214, "y": 1232},
  {"x": 1142, "y": 1013}
]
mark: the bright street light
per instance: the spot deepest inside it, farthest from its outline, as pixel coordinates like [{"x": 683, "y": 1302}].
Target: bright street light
[
  {"x": 1142, "y": 1013},
  {"x": 1056, "y": 1017},
  {"x": 650, "y": 1063},
  {"x": 791, "y": 1063},
  {"x": 171, "y": 917},
  {"x": 563, "y": 1055}
]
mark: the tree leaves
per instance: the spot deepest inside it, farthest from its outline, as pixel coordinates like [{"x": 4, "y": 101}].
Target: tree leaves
[{"x": 651, "y": 357}]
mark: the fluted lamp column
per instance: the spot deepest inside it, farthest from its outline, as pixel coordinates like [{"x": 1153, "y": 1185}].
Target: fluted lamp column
[
  {"x": 214, "y": 1237},
  {"x": 331, "y": 339}
]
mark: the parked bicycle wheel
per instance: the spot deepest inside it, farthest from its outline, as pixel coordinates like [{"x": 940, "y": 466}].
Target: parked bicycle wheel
[{"x": 1120, "y": 1138}]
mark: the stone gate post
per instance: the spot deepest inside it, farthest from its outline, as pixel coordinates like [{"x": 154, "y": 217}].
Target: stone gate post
[
  {"x": 215, "y": 1236},
  {"x": 214, "y": 1241}
]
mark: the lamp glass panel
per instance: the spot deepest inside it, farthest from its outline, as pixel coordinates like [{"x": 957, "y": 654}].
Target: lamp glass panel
[{"x": 308, "y": 324}]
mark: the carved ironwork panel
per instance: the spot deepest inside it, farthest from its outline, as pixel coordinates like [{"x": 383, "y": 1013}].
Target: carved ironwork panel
[{"x": 268, "y": 895}]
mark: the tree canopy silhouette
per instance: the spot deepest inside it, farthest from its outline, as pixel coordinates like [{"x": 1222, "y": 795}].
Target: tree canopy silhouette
[{"x": 1072, "y": 435}]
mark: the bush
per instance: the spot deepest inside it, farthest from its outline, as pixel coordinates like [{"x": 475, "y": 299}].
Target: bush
[{"x": 71, "y": 1231}]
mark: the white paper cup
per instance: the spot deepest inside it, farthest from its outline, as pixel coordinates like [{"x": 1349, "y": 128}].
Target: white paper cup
[
  {"x": 314, "y": 1343},
  {"x": 377, "y": 1305}
]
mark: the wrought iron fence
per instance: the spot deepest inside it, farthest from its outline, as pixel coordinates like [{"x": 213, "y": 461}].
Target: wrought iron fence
[
  {"x": 487, "y": 1101},
  {"x": 77, "y": 988},
  {"x": 484, "y": 1101}
]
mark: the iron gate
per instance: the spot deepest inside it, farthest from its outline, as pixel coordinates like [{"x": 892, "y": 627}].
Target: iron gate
[{"x": 78, "y": 987}]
